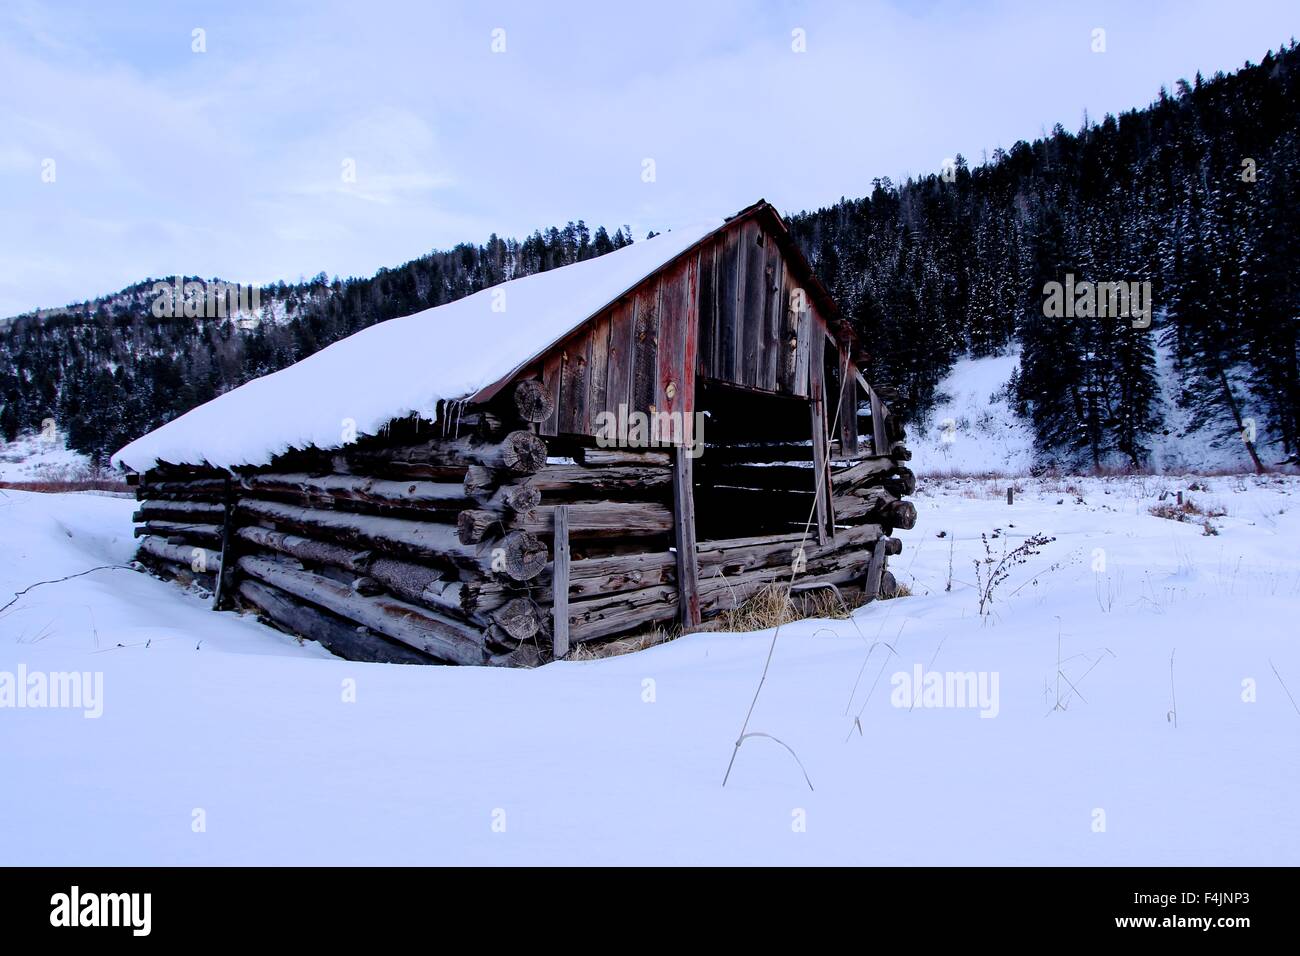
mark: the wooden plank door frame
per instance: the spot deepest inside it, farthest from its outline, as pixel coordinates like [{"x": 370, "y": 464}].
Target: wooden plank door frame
[{"x": 688, "y": 563}]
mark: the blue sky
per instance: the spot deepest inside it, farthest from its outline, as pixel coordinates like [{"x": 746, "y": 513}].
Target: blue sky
[{"x": 230, "y": 162}]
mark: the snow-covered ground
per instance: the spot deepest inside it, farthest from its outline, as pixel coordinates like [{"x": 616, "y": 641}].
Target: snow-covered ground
[
  {"x": 972, "y": 429},
  {"x": 38, "y": 457},
  {"x": 222, "y": 741}
]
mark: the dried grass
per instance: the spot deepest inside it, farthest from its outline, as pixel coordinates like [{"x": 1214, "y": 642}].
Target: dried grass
[
  {"x": 59, "y": 487},
  {"x": 1186, "y": 511},
  {"x": 769, "y": 607},
  {"x": 902, "y": 591},
  {"x": 773, "y": 605},
  {"x": 596, "y": 650}
]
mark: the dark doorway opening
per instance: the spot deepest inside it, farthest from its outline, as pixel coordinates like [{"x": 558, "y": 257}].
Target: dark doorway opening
[{"x": 755, "y": 473}]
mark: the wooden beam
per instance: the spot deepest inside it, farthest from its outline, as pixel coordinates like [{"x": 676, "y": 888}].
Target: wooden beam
[
  {"x": 820, "y": 442},
  {"x": 525, "y": 556},
  {"x": 207, "y": 534},
  {"x": 879, "y": 410},
  {"x": 560, "y": 585},
  {"x": 688, "y": 567},
  {"x": 425, "y": 630},
  {"x": 878, "y": 436},
  {"x": 346, "y": 640},
  {"x": 876, "y": 567},
  {"x": 848, "y": 407},
  {"x": 223, "y": 596},
  {"x": 180, "y": 554}
]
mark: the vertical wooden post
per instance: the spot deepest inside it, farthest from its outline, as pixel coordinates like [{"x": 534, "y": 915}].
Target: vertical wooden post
[
  {"x": 560, "y": 585},
  {"x": 878, "y": 413},
  {"x": 821, "y": 464},
  {"x": 848, "y": 406},
  {"x": 221, "y": 599},
  {"x": 875, "y": 569},
  {"x": 688, "y": 566}
]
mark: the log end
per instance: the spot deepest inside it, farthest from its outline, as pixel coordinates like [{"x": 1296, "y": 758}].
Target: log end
[
  {"x": 524, "y": 555},
  {"x": 533, "y": 401},
  {"x": 523, "y": 452}
]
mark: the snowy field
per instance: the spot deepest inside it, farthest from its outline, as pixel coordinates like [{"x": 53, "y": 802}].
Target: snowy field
[{"x": 222, "y": 741}]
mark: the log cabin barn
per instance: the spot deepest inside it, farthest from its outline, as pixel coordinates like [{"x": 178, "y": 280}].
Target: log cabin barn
[{"x": 457, "y": 486}]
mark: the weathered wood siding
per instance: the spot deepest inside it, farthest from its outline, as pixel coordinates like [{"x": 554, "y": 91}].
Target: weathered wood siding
[
  {"x": 730, "y": 310},
  {"x": 756, "y": 320},
  {"x": 640, "y": 353}
]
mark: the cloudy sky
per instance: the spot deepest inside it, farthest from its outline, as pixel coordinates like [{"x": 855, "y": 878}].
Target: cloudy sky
[{"x": 233, "y": 161}]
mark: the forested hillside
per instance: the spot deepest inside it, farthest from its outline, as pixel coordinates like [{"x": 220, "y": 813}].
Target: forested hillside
[
  {"x": 1194, "y": 194},
  {"x": 109, "y": 371}
]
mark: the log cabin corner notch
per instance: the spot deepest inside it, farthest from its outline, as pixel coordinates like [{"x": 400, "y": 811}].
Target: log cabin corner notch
[{"x": 482, "y": 517}]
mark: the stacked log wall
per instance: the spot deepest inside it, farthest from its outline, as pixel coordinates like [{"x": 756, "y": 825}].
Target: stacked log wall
[
  {"x": 180, "y": 521},
  {"x": 433, "y": 543}
]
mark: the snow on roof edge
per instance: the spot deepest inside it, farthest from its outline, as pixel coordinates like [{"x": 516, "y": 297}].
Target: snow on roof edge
[{"x": 404, "y": 365}]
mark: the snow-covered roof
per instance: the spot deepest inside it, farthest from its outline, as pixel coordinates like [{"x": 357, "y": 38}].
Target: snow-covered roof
[{"x": 403, "y": 366}]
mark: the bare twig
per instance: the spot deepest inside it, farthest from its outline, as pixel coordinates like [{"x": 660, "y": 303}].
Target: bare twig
[
  {"x": 933, "y": 658},
  {"x": 1173, "y": 699},
  {"x": 1283, "y": 683},
  {"x": 857, "y": 720},
  {"x": 102, "y": 567},
  {"x": 991, "y": 571},
  {"x": 952, "y": 545},
  {"x": 758, "y": 733}
]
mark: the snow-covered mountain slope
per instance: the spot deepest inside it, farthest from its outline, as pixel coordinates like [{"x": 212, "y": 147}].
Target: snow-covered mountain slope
[
  {"x": 272, "y": 304},
  {"x": 972, "y": 429},
  {"x": 224, "y": 742},
  {"x": 38, "y": 458},
  {"x": 1187, "y": 444}
]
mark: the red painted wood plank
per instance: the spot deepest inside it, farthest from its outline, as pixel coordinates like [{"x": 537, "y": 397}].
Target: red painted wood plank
[
  {"x": 622, "y": 353},
  {"x": 669, "y": 384}
]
